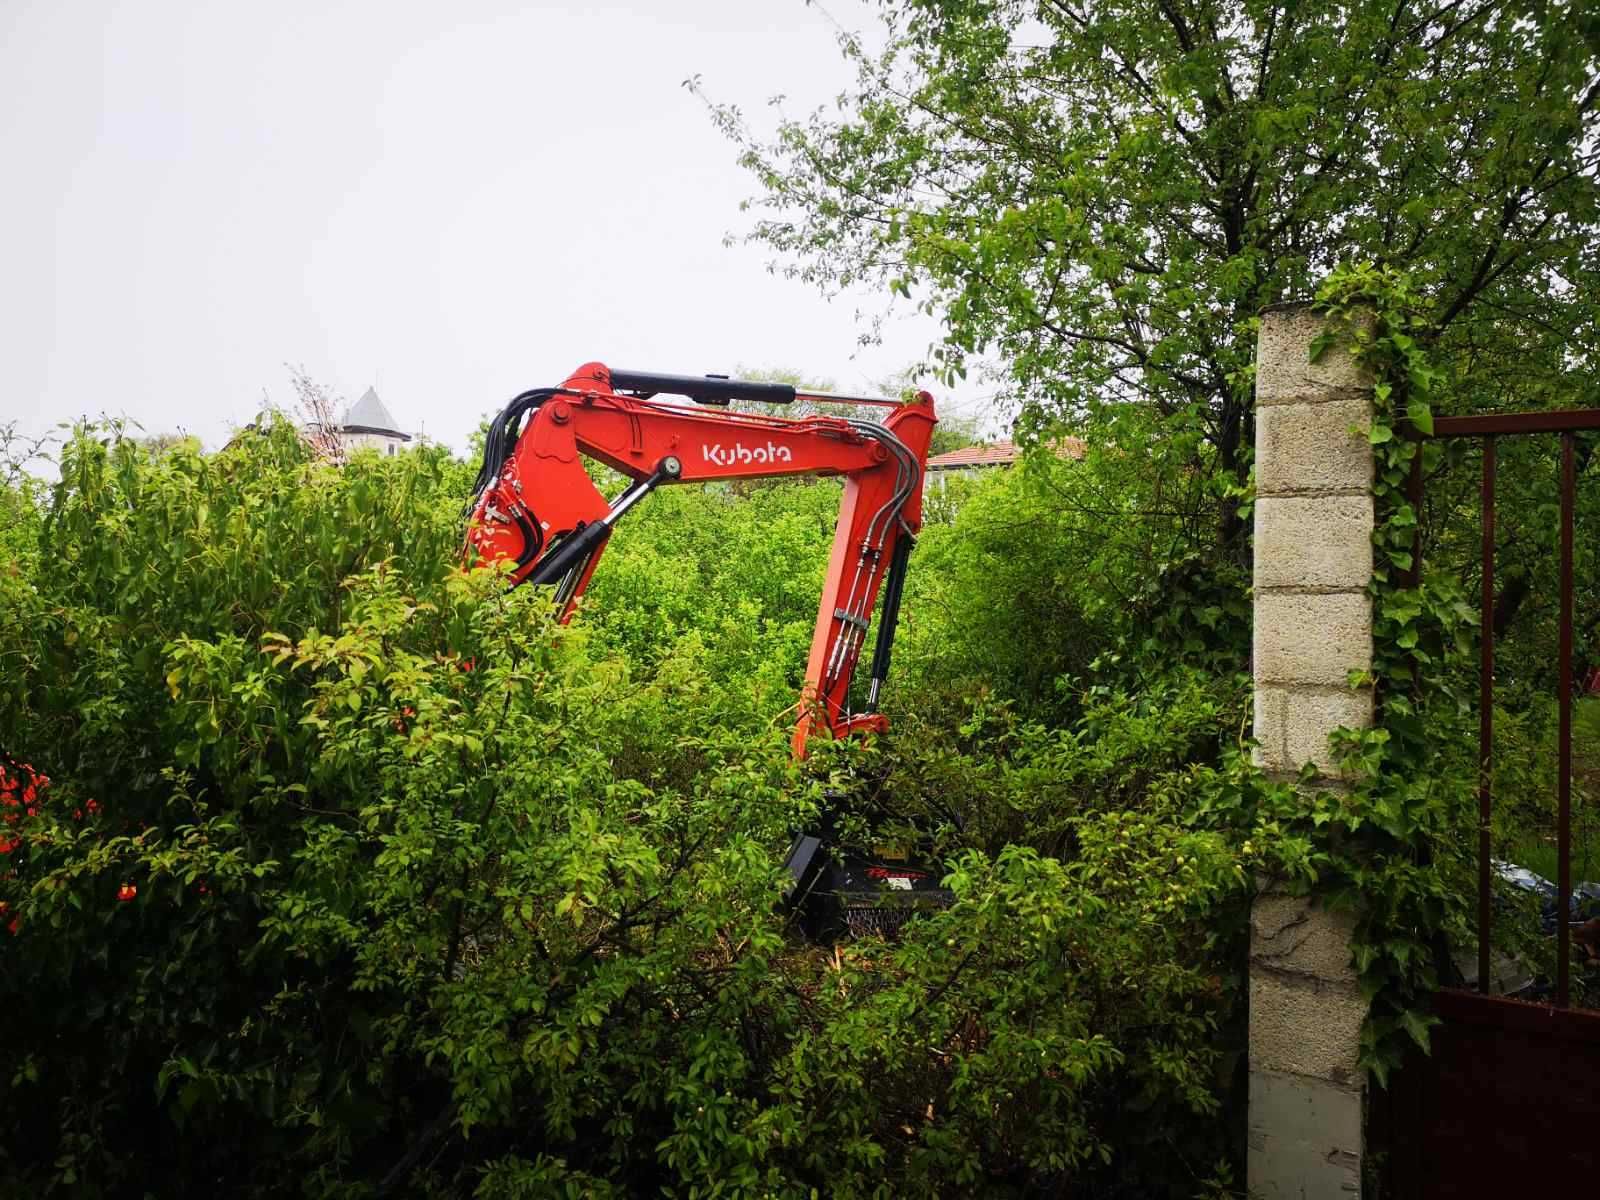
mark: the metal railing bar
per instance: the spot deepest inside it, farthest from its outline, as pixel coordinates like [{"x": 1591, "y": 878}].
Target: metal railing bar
[
  {"x": 1488, "y": 424},
  {"x": 1486, "y": 715},
  {"x": 1568, "y": 423},
  {"x": 1564, "y": 743},
  {"x": 1415, "y": 491}
]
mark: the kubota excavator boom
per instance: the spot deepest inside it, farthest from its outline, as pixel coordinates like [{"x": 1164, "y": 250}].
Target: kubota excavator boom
[{"x": 536, "y": 506}]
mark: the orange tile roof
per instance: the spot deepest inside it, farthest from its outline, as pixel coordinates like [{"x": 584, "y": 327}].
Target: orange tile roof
[{"x": 996, "y": 454}]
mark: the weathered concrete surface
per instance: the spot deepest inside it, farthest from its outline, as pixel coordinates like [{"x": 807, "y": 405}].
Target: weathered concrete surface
[
  {"x": 1311, "y": 448},
  {"x": 1313, "y": 626},
  {"x": 1292, "y": 723},
  {"x": 1295, "y": 937},
  {"x": 1285, "y": 373},
  {"x": 1300, "y": 1148},
  {"x": 1320, "y": 543},
  {"x": 1313, "y": 639},
  {"x": 1271, "y": 720},
  {"x": 1312, "y": 714},
  {"x": 1305, "y": 1026}
]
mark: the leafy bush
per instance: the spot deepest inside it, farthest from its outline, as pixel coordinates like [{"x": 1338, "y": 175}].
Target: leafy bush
[
  {"x": 352, "y": 875},
  {"x": 739, "y": 569},
  {"x": 1047, "y": 577}
]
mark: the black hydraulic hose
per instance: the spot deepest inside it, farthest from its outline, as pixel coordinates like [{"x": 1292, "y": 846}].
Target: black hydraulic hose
[
  {"x": 501, "y": 438},
  {"x": 532, "y": 539},
  {"x": 707, "y": 389},
  {"x": 894, "y": 588},
  {"x": 908, "y": 474}
]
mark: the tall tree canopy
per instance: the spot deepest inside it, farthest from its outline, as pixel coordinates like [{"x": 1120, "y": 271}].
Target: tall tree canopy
[{"x": 1103, "y": 194}]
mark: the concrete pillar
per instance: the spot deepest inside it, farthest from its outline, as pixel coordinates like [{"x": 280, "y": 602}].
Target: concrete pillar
[{"x": 1313, "y": 625}]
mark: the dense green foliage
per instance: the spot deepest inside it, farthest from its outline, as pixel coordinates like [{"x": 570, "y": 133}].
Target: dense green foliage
[
  {"x": 329, "y": 869},
  {"x": 1098, "y": 197},
  {"x": 1095, "y": 560},
  {"x": 1403, "y": 842},
  {"x": 352, "y": 875}
]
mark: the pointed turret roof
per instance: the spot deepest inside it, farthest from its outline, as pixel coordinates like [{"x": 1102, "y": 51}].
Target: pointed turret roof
[{"x": 369, "y": 415}]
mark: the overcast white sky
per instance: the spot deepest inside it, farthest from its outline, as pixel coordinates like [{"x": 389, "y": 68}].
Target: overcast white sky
[{"x": 452, "y": 200}]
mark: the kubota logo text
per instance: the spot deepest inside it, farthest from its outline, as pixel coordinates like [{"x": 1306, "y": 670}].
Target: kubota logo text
[{"x": 736, "y": 454}]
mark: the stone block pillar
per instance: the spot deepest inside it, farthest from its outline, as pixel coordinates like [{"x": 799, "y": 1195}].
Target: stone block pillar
[{"x": 1313, "y": 626}]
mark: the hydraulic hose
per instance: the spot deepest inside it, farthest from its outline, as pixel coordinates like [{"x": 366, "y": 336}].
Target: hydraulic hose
[{"x": 501, "y": 439}]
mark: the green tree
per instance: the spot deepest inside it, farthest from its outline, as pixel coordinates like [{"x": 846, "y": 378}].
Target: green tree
[
  {"x": 1103, "y": 194},
  {"x": 340, "y": 872},
  {"x": 20, "y": 492},
  {"x": 955, "y": 429}
]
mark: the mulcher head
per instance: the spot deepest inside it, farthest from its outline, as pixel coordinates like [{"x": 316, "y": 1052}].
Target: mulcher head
[{"x": 858, "y": 895}]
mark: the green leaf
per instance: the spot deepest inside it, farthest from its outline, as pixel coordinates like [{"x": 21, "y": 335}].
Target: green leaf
[{"x": 1417, "y": 1024}]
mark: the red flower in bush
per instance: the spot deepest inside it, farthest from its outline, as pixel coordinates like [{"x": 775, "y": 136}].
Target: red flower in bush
[
  {"x": 127, "y": 892},
  {"x": 9, "y": 844}
]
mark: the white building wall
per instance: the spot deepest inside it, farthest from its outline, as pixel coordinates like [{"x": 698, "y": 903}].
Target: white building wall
[{"x": 372, "y": 441}]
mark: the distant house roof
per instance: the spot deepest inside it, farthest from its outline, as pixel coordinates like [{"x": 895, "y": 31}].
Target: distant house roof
[
  {"x": 368, "y": 415},
  {"x": 996, "y": 454}
]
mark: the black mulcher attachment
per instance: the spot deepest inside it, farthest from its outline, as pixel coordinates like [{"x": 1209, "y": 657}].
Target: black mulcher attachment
[{"x": 835, "y": 892}]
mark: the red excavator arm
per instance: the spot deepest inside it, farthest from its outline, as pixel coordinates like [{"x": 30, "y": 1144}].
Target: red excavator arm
[{"x": 536, "y": 505}]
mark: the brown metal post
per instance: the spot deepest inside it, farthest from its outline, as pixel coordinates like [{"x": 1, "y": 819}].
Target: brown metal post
[
  {"x": 1564, "y": 766},
  {"x": 1414, "y": 493},
  {"x": 1486, "y": 714}
]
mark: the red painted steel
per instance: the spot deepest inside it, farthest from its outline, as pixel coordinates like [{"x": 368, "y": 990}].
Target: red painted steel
[
  {"x": 1579, "y": 1025},
  {"x": 1486, "y": 715},
  {"x": 1564, "y": 734},
  {"x": 1505, "y": 1098},
  {"x": 1503, "y": 1104},
  {"x": 1414, "y": 494},
  {"x": 1567, "y": 423},
  {"x": 1487, "y": 424},
  {"x": 544, "y": 480}
]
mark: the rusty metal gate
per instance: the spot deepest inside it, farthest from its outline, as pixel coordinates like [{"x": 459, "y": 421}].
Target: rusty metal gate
[{"x": 1508, "y": 1101}]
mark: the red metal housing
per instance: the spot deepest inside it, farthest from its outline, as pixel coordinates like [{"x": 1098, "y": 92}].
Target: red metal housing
[{"x": 542, "y": 496}]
